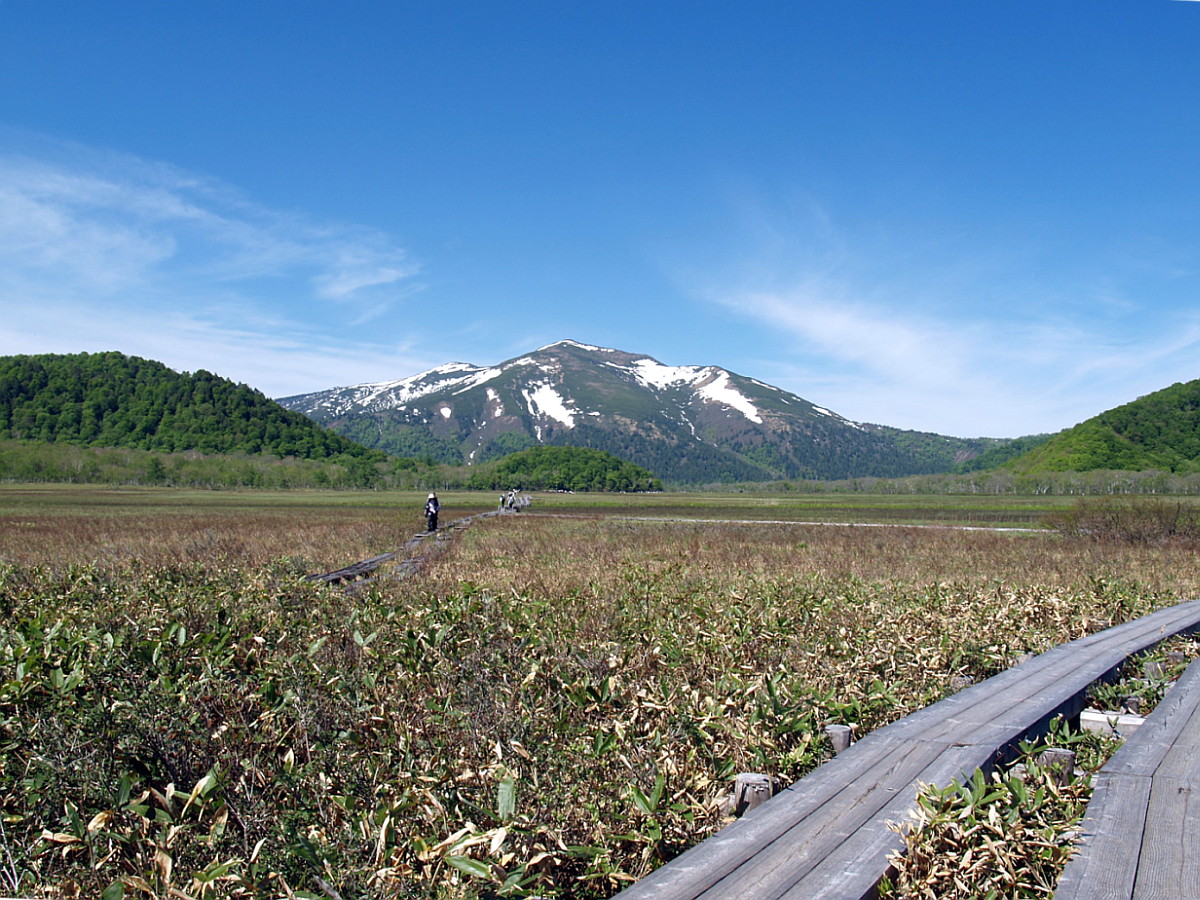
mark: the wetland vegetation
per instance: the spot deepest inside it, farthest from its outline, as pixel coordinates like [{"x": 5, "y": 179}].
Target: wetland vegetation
[{"x": 556, "y": 704}]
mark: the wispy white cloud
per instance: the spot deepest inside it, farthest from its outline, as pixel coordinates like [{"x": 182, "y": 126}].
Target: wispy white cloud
[
  {"x": 356, "y": 267},
  {"x": 873, "y": 363},
  {"x": 996, "y": 375},
  {"x": 104, "y": 251},
  {"x": 895, "y": 347},
  {"x": 134, "y": 217}
]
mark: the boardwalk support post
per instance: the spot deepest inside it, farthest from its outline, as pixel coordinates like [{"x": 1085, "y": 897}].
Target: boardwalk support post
[
  {"x": 839, "y": 736},
  {"x": 1060, "y": 762},
  {"x": 750, "y": 791}
]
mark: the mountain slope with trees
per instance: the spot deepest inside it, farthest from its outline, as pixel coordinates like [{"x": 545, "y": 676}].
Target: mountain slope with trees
[
  {"x": 114, "y": 400},
  {"x": 996, "y": 457},
  {"x": 1158, "y": 431}
]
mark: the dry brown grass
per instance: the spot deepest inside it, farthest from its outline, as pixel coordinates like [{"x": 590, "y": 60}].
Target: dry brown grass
[
  {"x": 558, "y": 556},
  {"x": 317, "y": 531},
  {"x": 180, "y": 538},
  {"x": 827, "y": 604}
]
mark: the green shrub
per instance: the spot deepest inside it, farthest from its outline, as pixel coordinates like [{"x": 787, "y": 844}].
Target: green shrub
[{"x": 1007, "y": 835}]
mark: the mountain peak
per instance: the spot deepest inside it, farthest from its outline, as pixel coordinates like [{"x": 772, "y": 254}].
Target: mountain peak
[
  {"x": 685, "y": 423},
  {"x": 577, "y": 345}
]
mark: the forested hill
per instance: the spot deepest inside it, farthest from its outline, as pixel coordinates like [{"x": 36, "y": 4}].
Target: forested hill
[
  {"x": 564, "y": 469},
  {"x": 1157, "y": 431},
  {"x": 114, "y": 400}
]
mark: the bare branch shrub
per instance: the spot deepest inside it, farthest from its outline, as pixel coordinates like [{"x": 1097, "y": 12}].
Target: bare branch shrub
[{"x": 1130, "y": 519}]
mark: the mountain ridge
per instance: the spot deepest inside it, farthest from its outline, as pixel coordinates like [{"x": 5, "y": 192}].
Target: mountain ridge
[{"x": 687, "y": 424}]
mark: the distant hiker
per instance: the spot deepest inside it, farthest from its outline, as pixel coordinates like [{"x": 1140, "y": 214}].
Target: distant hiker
[
  {"x": 512, "y": 499},
  {"x": 431, "y": 512},
  {"x": 504, "y": 501}
]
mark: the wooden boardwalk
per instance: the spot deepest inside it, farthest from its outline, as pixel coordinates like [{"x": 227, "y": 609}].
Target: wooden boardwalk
[
  {"x": 827, "y": 836},
  {"x": 1141, "y": 834},
  {"x": 410, "y": 555}
]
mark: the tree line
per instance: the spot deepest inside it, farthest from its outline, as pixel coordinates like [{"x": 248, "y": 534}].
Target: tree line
[
  {"x": 1096, "y": 482},
  {"x": 38, "y": 462}
]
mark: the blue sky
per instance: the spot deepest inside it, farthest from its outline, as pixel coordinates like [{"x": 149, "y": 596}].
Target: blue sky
[{"x": 960, "y": 217}]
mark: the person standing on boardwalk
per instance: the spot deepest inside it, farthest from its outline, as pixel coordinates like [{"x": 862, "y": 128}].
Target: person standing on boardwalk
[{"x": 431, "y": 512}]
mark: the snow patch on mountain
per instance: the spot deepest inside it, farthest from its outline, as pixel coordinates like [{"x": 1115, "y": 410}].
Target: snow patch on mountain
[
  {"x": 544, "y": 400},
  {"x": 654, "y": 374},
  {"x": 495, "y": 398},
  {"x": 719, "y": 390},
  {"x": 392, "y": 394},
  {"x": 710, "y": 383},
  {"x": 482, "y": 376}
]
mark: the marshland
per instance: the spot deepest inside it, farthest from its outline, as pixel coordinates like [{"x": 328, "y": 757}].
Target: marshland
[{"x": 553, "y": 705}]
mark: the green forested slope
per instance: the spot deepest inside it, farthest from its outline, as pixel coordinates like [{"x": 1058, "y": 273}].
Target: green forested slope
[
  {"x": 995, "y": 457},
  {"x": 114, "y": 400},
  {"x": 1158, "y": 431}
]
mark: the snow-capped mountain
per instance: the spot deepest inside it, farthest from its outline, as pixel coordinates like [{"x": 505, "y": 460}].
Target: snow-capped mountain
[{"x": 689, "y": 424}]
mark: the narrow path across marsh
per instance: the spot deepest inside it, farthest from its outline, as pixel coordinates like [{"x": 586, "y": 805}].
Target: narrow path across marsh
[
  {"x": 418, "y": 547},
  {"x": 415, "y": 550}
]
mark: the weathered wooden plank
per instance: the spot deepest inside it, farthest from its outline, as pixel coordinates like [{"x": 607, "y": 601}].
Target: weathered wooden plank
[
  {"x": 1105, "y": 865},
  {"x": 1181, "y": 760},
  {"x": 775, "y": 868},
  {"x": 1006, "y": 699},
  {"x": 414, "y": 545},
  {"x": 711, "y": 861},
  {"x": 830, "y": 828},
  {"x": 853, "y": 868},
  {"x": 1170, "y": 857},
  {"x": 1167, "y": 869},
  {"x": 1145, "y": 751},
  {"x": 1140, "y": 824},
  {"x": 356, "y": 570}
]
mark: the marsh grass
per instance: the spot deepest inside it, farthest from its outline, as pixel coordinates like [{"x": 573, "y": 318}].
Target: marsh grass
[{"x": 553, "y": 707}]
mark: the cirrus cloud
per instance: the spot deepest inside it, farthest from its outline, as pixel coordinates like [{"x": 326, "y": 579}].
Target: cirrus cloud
[{"x": 109, "y": 251}]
